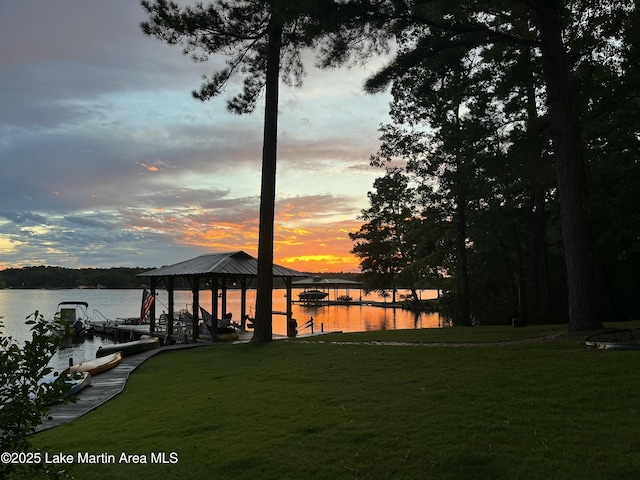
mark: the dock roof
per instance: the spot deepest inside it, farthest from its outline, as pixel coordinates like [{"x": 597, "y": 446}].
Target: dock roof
[
  {"x": 230, "y": 264},
  {"x": 326, "y": 282}
]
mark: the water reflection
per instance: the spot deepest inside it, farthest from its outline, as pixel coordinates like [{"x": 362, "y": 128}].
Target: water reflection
[
  {"x": 346, "y": 318},
  {"x": 77, "y": 349}
]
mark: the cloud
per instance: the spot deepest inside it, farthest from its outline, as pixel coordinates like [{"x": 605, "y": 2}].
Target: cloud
[
  {"x": 105, "y": 159},
  {"x": 90, "y": 221},
  {"x": 20, "y": 218}
]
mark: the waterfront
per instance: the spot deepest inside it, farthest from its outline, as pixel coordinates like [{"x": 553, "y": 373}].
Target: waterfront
[{"x": 17, "y": 304}]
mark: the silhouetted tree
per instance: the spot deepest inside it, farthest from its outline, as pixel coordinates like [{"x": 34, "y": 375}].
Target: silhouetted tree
[
  {"x": 391, "y": 244},
  {"x": 476, "y": 26},
  {"x": 261, "y": 39}
]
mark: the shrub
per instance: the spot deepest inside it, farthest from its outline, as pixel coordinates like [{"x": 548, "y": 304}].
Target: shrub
[{"x": 24, "y": 398}]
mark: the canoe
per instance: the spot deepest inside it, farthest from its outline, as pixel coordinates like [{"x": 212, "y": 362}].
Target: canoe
[
  {"x": 76, "y": 384},
  {"x": 98, "y": 365},
  {"x": 129, "y": 348},
  {"x": 79, "y": 384}
]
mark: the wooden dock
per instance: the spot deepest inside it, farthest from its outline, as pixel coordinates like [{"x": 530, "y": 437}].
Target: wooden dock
[
  {"x": 124, "y": 332},
  {"x": 120, "y": 331},
  {"x": 429, "y": 305}
]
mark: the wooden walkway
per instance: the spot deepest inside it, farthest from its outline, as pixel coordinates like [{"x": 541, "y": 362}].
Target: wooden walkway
[{"x": 104, "y": 387}]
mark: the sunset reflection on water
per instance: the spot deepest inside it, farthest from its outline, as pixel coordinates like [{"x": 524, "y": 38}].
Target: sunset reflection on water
[{"x": 345, "y": 318}]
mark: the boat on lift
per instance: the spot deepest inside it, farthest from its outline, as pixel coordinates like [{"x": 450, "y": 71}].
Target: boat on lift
[{"x": 312, "y": 295}]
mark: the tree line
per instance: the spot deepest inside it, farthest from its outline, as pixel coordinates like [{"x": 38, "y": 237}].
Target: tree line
[
  {"x": 116, "y": 277},
  {"x": 59, "y": 277}
]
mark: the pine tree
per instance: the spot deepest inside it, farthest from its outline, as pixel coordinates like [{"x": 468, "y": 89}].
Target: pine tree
[
  {"x": 474, "y": 27},
  {"x": 262, "y": 41}
]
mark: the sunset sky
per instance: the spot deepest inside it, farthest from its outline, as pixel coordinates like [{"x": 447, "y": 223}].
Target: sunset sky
[{"x": 106, "y": 160}]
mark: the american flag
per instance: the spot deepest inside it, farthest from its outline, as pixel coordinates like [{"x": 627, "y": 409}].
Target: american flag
[{"x": 147, "y": 301}]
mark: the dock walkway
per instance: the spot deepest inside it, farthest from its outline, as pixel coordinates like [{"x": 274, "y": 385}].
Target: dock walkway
[{"x": 103, "y": 387}]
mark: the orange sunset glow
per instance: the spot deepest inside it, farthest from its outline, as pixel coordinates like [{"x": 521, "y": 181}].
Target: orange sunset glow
[{"x": 324, "y": 248}]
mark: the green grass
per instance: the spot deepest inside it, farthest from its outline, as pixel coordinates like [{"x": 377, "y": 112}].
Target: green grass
[
  {"x": 449, "y": 334},
  {"x": 292, "y": 410}
]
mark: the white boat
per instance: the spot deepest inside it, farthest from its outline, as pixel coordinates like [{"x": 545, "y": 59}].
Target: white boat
[
  {"x": 76, "y": 316},
  {"x": 312, "y": 295}
]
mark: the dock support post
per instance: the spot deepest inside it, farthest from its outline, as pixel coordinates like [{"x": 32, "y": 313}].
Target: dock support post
[
  {"x": 243, "y": 303},
  {"x": 224, "y": 297},
  {"x": 214, "y": 297},
  {"x": 291, "y": 326},
  {"x": 196, "y": 309},
  {"x": 214, "y": 309},
  {"x": 170, "y": 290},
  {"x": 152, "y": 311}
]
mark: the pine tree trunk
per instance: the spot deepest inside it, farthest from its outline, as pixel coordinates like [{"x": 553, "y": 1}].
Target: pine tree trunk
[
  {"x": 541, "y": 256},
  {"x": 464, "y": 295},
  {"x": 584, "y": 304},
  {"x": 462, "y": 264},
  {"x": 523, "y": 306},
  {"x": 264, "y": 288},
  {"x": 536, "y": 159}
]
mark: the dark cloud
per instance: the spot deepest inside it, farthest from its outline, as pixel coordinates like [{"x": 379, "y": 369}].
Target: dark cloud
[
  {"x": 89, "y": 221},
  {"x": 24, "y": 217}
]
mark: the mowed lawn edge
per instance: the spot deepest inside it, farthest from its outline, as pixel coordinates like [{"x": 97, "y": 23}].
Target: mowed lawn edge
[{"x": 292, "y": 409}]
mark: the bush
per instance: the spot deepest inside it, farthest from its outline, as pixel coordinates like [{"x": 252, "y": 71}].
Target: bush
[{"x": 24, "y": 399}]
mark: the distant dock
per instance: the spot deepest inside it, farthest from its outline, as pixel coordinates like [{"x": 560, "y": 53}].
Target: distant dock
[{"x": 430, "y": 305}]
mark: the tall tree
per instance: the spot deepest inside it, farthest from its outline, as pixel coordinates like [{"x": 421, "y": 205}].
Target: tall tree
[
  {"x": 477, "y": 25},
  {"x": 262, "y": 40},
  {"x": 608, "y": 99},
  {"x": 390, "y": 244},
  {"x": 585, "y": 308},
  {"x": 433, "y": 98}
]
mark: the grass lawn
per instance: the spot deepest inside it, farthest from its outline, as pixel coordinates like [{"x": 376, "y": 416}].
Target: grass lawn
[
  {"x": 293, "y": 410},
  {"x": 450, "y": 334}
]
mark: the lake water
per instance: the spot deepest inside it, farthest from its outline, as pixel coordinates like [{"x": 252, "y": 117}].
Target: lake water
[{"x": 16, "y": 305}]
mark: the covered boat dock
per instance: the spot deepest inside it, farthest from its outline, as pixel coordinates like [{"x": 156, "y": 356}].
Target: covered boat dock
[
  {"x": 218, "y": 272},
  {"x": 325, "y": 285}
]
